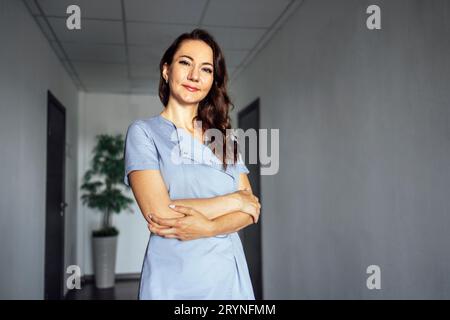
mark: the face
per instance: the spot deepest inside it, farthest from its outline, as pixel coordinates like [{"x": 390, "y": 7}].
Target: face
[{"x": 191, "y": 72}]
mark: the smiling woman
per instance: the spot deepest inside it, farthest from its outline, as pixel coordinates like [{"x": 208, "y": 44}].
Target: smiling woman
[{"x": 194, "y": 207}]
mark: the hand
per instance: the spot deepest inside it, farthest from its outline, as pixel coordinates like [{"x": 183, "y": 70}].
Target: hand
[
  {"x": 249, "y": 203},
  {"x": 192, "y": 226}
]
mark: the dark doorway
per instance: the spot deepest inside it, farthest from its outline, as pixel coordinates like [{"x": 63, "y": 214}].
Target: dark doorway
[
  {"x": 55, "y": 200},
  {"x": 248, "y": 118}
]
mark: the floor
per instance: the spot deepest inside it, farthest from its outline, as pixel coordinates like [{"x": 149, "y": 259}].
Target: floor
[{"x": 123, "y": 290}]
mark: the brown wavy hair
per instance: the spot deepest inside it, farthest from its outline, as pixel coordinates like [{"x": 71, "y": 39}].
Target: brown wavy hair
[{"x": 213, "y": 110}]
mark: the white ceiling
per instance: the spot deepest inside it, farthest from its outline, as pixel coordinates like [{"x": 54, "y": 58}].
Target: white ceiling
[{"x": 121, "y": 42}]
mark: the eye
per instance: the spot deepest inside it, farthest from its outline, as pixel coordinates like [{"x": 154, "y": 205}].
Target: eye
[
  {"x": 207, "y": 70},
  {"x": 184, "y": 62}
]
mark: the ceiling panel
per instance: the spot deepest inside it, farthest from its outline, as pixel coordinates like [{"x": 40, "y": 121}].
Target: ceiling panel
[
  {"x": 248, "y": 13},
  {"x": 165, "y": 11},
  {"x": 145, "y": 54},
  {"x": 148, "y": 70},
  {"x": 144, "y": 84},
  {"x": 92, "y": 31},
  {"x": 98, "y": 52},
  {"x": 98, "y": 9},
  {"x": 157, "y": 35},
  {"x": 91, "y": 72},
  {"x": 236, "y": 38},
  {"x": 95, "y": 52},
  {"x": 234, "y": 57}
]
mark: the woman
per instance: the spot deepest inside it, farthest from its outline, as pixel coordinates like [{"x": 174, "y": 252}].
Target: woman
[{"x": 194, "y": 206}]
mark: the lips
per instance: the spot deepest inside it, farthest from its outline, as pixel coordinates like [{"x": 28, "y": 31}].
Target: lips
[{"x": 191, "y": 89}]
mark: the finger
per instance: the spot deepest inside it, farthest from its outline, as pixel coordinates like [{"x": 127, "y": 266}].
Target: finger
[
  {"x": 149, "y": 216},
  {"x": 158, "y": 232},
  {"x": 155, "y": 219},
  {"x": 156, "y": 225},
  {"x": 170, "y": 222},
  {"x": 153, "y": 230},
  {"x": 169, "y": 231},
  {"x": 254, "y": 216},
  {"x": 156, "y": 229},
  {"x": 182, "y": 209}
]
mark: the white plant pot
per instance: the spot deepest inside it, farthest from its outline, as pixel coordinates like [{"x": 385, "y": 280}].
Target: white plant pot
[{"x": 104, "y": 249}]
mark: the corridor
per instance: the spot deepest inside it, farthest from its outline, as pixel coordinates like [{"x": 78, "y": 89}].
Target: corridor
[{"x": 345, "y": 105}]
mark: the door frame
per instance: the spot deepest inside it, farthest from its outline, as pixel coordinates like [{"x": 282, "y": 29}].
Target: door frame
[
  {"x": 52, "y": 100},
  {"x": 254, "y": 106}
]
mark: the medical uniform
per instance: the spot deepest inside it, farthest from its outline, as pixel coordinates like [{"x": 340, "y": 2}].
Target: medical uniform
[{"x": 205, "y": 268}]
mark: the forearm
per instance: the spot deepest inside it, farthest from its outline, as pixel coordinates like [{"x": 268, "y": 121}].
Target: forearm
[
  {"x": 231, "y": 222},
  {"x": 213, "y": 207}
]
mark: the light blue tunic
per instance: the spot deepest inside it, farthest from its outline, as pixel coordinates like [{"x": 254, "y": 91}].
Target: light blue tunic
[{"x": 206, "y": 268}]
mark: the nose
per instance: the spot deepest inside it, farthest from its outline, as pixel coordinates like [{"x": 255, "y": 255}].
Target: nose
[{"x": 193, "y": 74}]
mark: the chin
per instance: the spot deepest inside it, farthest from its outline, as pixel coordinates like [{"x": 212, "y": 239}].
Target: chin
[{"x": 191, "y": 99}]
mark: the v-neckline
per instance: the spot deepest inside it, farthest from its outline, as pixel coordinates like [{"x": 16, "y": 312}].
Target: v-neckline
[
  {"x": 187, "y": 132},
  {"x": 215, "y": 164}
]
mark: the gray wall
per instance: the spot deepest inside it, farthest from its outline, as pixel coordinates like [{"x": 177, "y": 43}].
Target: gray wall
[
  {"x": 28, "y": 67},
  {"x": 364, "y": 177}
]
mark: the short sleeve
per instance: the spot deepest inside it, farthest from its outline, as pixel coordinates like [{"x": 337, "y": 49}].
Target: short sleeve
[{"x": 140, "y": 151}]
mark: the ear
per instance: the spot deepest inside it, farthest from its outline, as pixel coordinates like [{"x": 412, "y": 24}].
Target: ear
[{"x": 165, "y": 71}]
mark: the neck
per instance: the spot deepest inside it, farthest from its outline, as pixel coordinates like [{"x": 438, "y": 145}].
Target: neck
[{"x": 181, "y": 115}]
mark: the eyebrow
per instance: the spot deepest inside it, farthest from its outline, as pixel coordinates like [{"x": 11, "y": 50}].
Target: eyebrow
[{"x": 185, "y": 56}]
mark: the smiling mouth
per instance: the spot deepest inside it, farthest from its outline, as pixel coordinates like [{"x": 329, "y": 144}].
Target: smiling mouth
[{"x": 190, "y": 88}]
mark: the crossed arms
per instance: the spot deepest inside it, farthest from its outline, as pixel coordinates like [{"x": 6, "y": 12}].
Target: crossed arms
[{"x": 192, "y": 218}]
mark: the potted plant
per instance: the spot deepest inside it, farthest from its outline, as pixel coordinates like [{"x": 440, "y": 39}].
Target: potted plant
[{"x": 101, "y": 185}]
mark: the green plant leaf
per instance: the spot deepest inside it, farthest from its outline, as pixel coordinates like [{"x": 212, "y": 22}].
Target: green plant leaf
[{"x": 102, "y": 179}]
